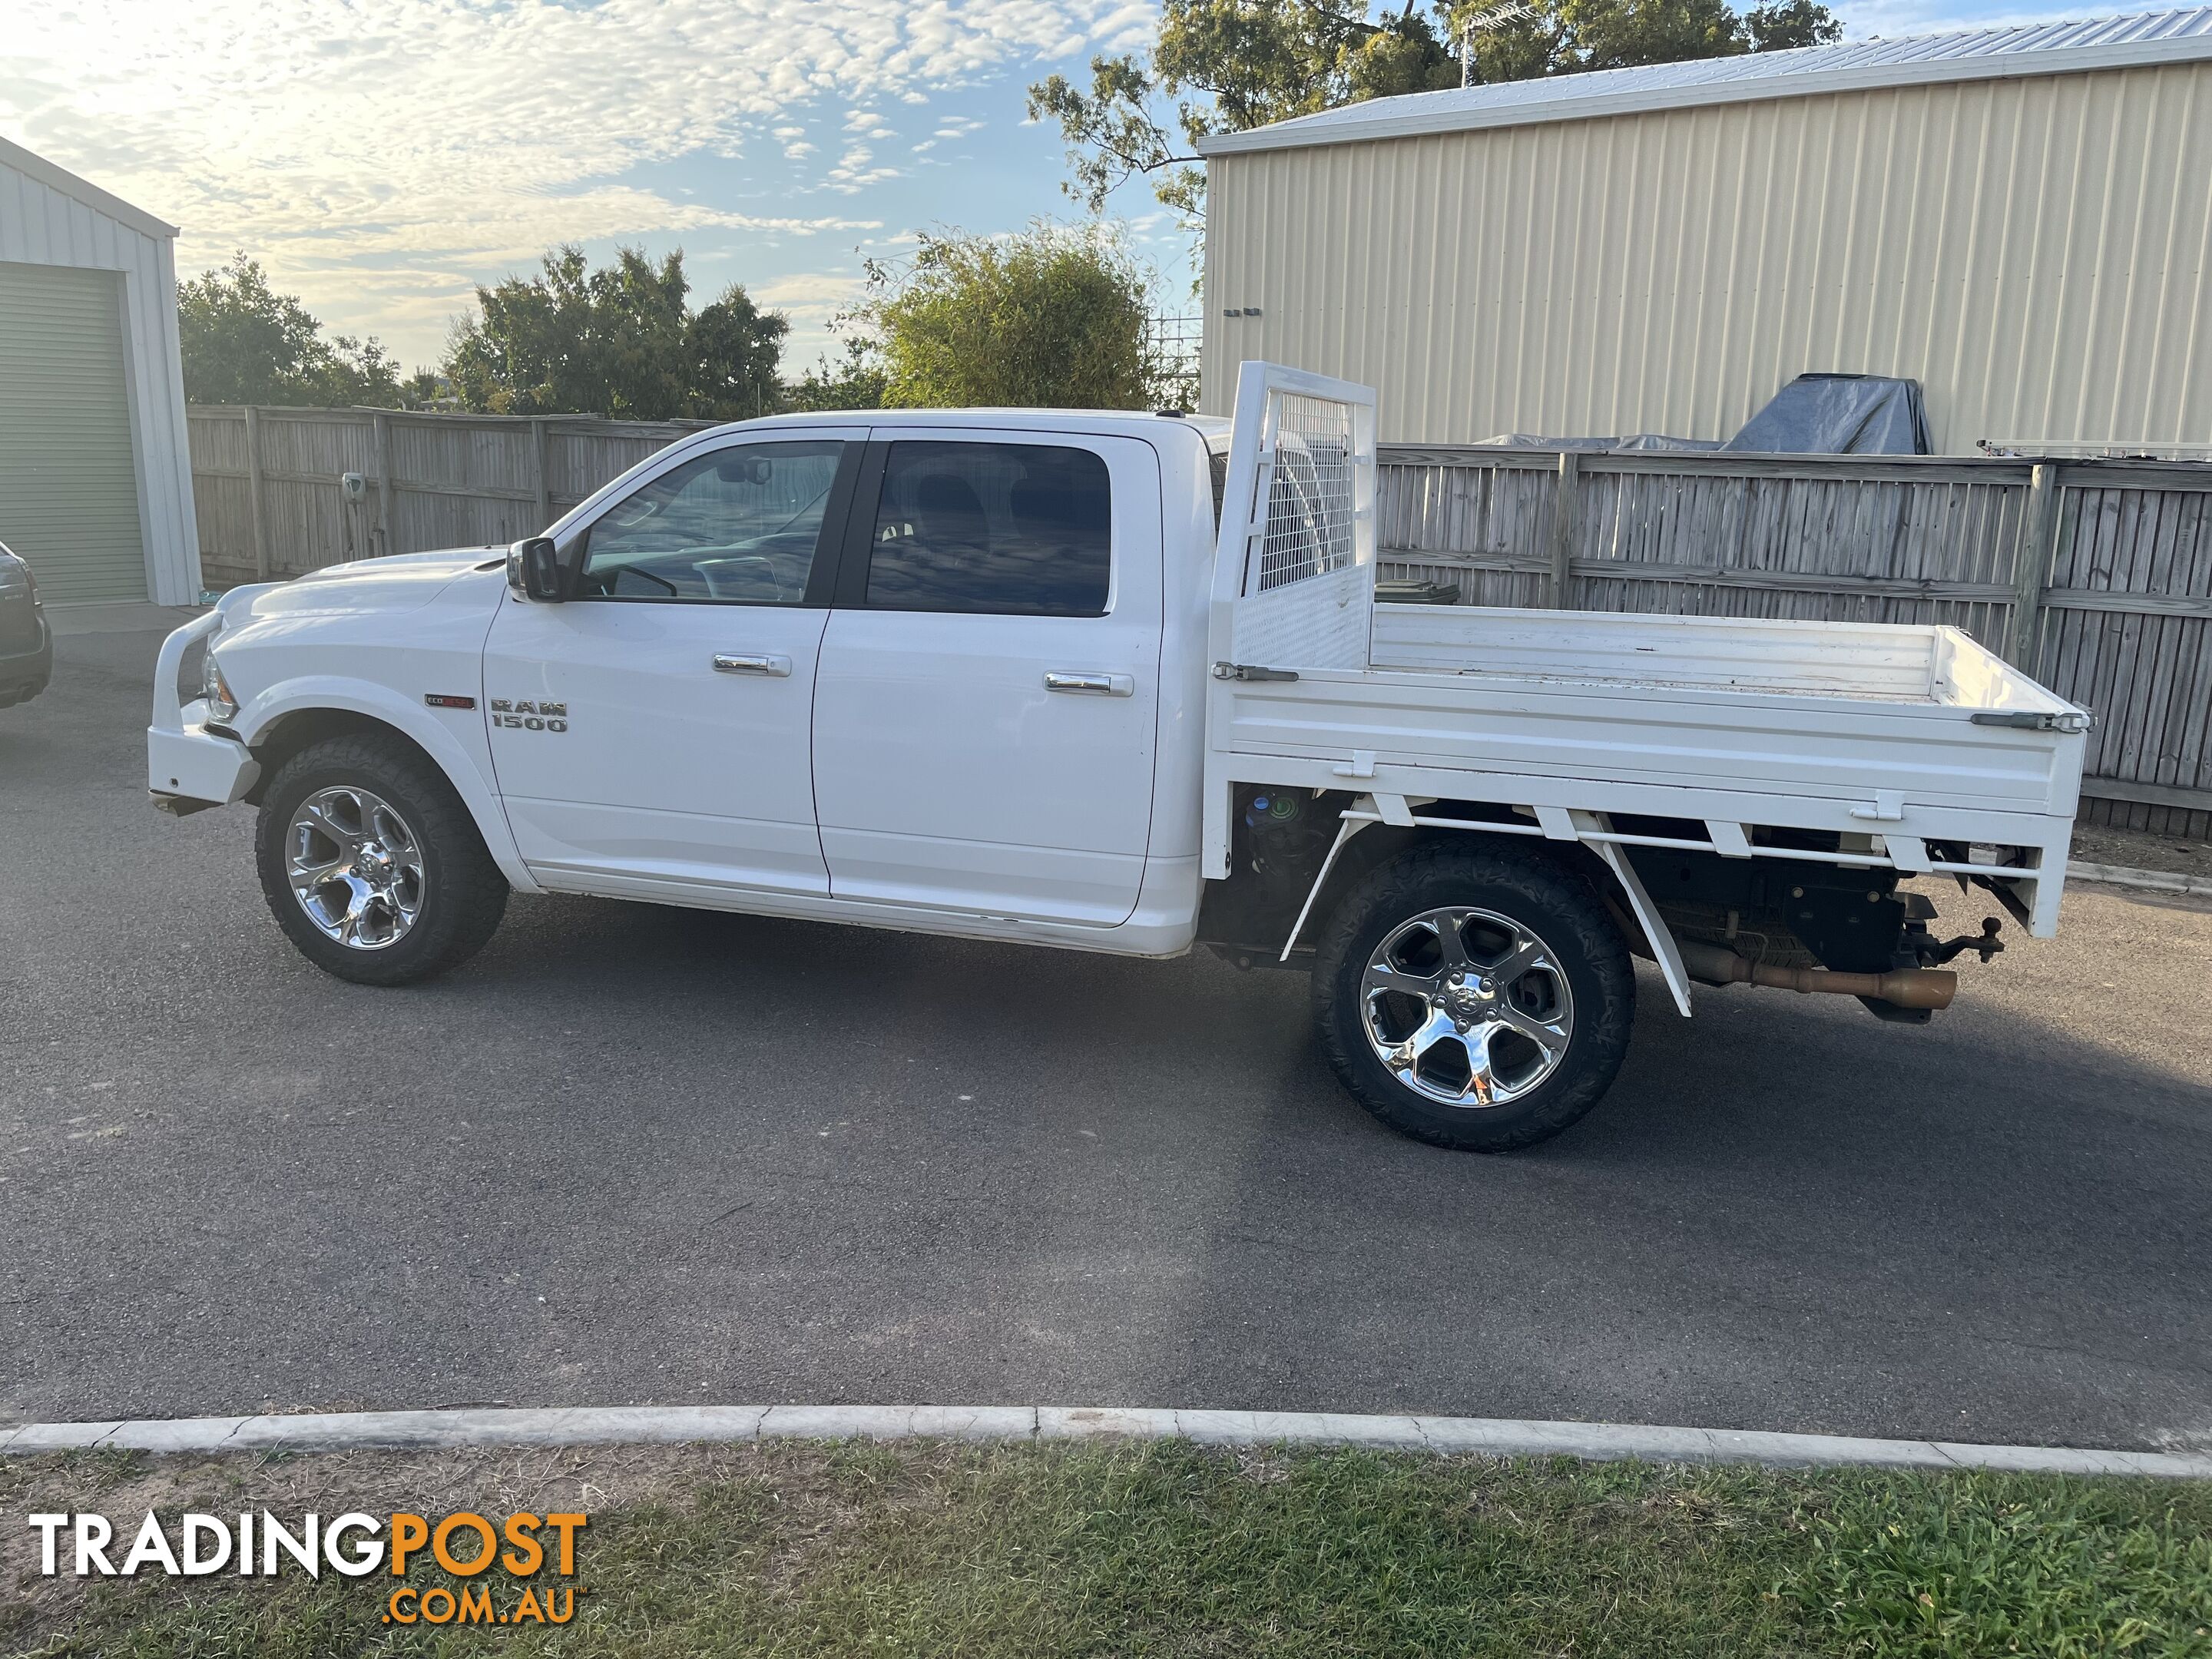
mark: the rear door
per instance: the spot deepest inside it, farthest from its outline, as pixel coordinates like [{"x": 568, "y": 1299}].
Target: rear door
[{"x": 985, "y": 706}]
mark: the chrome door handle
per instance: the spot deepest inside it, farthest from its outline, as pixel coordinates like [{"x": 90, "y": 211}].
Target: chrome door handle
[
  {"x": 1096, "y": 685},
  {"x": 746, "y": 662}
]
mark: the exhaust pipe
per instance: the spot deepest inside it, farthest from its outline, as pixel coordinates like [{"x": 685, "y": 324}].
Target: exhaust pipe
[{"x": 1907, "y": 987}]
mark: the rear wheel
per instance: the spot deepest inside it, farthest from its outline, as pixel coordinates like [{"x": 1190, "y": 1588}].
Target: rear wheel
[
  {"x": 372, "y": 865},
  {"x": 1474, "y": 998}
]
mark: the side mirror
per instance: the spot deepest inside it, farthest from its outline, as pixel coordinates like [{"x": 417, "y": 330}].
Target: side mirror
[{"x": 533, "y": 571}]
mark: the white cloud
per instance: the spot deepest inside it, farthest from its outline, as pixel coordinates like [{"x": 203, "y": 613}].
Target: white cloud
[
  {"x": 399, "y": 150},
  {"x": 812, "y": 300},
  {"x": 853, "y": 172},
  {"x": 812, "y": 296}
]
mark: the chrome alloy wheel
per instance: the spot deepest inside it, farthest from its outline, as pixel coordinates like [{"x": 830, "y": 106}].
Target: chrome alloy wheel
[
  {"x": 1466, "y": 1007},
  {"x": 355, "y": 866}
]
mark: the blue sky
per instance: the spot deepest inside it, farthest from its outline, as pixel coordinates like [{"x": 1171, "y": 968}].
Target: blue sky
[{"x": 381, "y": 157}]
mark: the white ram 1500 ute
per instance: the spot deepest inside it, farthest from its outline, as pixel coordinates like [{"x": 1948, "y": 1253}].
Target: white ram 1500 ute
[{"x": 1118, "y": 682}]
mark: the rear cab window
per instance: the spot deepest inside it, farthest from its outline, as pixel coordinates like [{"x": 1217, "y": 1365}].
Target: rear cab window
[{"x": 994, "y": 529}]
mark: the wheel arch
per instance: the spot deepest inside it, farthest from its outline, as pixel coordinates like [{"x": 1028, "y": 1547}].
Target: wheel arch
[
  {"x": 1372, "y": 845},
  {"x": 278, "y": 727},
  {"x": 1378, "y": 844}
]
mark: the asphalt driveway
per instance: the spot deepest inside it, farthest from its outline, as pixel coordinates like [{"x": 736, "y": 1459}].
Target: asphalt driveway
[{"x": 632, "y": 1154}]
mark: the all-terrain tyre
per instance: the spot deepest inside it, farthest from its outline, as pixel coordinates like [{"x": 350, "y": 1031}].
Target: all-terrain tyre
[
  {"x": 372, "y": 865},
  {"x": 1479, "y": 998}
]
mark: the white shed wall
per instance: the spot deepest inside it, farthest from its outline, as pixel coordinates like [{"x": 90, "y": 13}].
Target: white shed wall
[
  {"x": 2035, "y": 251},
  {"x": 41, "y": 224}
]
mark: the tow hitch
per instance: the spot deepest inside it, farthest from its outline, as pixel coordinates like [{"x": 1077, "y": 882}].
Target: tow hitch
[{"x": 1932, "y": 953}]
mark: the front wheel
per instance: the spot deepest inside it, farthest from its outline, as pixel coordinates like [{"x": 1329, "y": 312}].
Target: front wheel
[
  {"x": 1474, "y": 998},
  {"x": 372, "y": 865}
]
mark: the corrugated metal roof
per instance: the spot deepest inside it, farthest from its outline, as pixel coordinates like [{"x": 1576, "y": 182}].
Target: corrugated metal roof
[
  {"x": 61, "y": 179},
  {"x": 2028, "y": 49}
]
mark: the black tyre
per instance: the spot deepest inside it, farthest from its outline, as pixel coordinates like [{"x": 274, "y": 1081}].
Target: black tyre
[
  {"x": 1475, "y": 998},
  {"x": 372, "y": 865}
]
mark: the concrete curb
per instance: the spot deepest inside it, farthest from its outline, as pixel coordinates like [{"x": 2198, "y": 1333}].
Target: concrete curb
[
  {"x": 2156, "y": 881},
  {"x": 1487, "y": 1436}
]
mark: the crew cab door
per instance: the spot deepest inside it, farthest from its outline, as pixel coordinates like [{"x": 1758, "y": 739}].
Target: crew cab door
[
  {"x": 682, "y": 675},
  {"x": 985, "y": 711}
]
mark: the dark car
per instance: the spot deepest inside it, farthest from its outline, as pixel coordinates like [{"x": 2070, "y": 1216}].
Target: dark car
[{"x": 26, "y": 644}]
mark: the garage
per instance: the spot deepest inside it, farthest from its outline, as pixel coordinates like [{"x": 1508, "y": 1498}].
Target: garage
[{"x": 95, "y": 481}]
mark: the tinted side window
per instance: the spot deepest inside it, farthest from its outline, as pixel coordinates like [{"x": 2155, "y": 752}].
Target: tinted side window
[
  {"x": 1007, "y": 529},
  {"x": 738, "y": 524}
]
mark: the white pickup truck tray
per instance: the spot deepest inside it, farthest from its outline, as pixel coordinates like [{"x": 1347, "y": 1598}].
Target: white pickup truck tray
[
  {"x": 1892, "y": 736},
  {"x": 1859, "y": 728}
]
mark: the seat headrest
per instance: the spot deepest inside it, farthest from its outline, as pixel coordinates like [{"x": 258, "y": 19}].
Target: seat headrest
[
  {"x": 946, "y": 494},
  {"x": 1039, "y": 502}
]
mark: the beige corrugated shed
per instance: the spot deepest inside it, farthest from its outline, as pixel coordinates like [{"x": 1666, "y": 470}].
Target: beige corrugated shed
[{"x": 2020, "y": 219}]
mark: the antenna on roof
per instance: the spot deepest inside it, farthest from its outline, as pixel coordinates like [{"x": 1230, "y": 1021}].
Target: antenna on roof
[{"x": 1484, "y": 22}]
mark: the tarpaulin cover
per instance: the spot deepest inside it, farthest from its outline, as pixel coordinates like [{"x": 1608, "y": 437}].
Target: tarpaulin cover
[
  {"x": 1813, "y": 415},
  {"x": 1839, "y": 414},
  {"x": 1635, "y": 441}
]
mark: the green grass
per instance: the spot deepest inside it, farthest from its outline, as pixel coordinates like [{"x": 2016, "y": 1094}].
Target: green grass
[{"x": 1168, "y": 1549}]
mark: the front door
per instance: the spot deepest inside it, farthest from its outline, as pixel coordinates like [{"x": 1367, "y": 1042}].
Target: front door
[
  {"x": 985, "y": 711},
  {"x": 655, "y": 727}
]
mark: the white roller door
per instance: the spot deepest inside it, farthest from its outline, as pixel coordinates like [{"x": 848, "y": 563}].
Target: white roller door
[{"x": 68, "y": 485}]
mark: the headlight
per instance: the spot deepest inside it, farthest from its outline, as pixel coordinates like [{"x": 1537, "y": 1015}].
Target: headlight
[{"x": 221, "y": 705}]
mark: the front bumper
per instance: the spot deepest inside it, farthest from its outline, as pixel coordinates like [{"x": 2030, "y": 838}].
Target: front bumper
[
  {"x": 198, "y": 765},
  {"x": 187, "y": 766}
]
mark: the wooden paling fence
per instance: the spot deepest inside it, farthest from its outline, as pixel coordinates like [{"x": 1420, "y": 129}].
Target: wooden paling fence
[
  {"x": 269, "y": 483},
  {"x": 2094, "y": 575}
]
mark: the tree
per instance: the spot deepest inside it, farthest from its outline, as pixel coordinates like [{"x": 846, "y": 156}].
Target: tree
[
  {"x": 858, "y": 381},
  {"x": 242, "y": 343},
  {"x": 732, "y": 354},
  {"x": 617, "y": 341},
  {"x": 1788, "y": 24},
  {"x": 1228, "y": 65},
  {"x": 1568, "y": 37},
  {"x": 1053, "y": 317}
]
